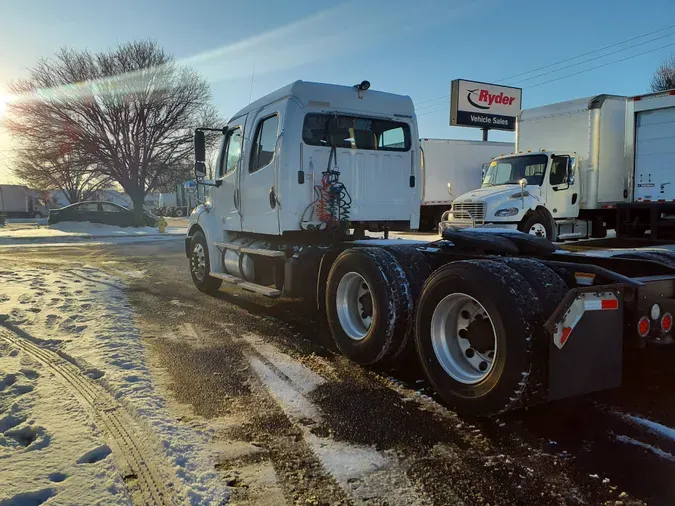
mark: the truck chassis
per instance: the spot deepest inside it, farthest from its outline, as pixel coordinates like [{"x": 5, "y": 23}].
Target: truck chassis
[{"x": 498, "y": 320}]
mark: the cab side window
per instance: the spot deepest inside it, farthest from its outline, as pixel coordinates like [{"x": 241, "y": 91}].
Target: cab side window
[
  {"x": 231, "y": 152},
  {"x": 262, "y": 151},
  {"x": 559, "y": 170}
]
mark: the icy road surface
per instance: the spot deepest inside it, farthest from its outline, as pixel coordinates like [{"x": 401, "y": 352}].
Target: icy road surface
[{"x": 243, "y": 399}]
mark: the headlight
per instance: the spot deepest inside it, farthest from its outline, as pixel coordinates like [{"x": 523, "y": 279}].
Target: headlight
[{"x": 511, "y": 211}]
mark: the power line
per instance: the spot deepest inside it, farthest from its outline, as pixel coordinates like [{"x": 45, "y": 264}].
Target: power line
[
  {"x": 604, "y": 65},
  {"x": 447, "y": 96},
  {"x": 590, "y": 52},
  {"x": 594, "y": 58}
]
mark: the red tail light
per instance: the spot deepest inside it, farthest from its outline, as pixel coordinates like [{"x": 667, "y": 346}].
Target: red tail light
[
  {"x": 643, "y": 326},
  {"x": 667, "y": 322}
]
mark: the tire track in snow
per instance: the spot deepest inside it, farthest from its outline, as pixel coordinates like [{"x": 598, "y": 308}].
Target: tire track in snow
[
  {"x": 120, "y": 429},
  {"x": 361, "y": 471}
]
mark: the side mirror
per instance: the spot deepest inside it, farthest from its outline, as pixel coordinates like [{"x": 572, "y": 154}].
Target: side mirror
[
  {"x": 570, "y": 171},
  {"x": 200, "y": 155},
  {"x": 190, "y": 186}
]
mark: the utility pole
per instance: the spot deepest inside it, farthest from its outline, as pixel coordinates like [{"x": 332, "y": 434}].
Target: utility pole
[{"x": 485, "y": 133}]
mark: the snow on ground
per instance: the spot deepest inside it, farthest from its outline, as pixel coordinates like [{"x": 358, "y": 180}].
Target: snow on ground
[
  {"x": 653, "y": 427},
  {"x": 77, "y": 230},
  {"x": 48, "y": 447},
  {"x": 85, "y": 314},
  {"x": 656, "y": 451},
  {"x": 362, "y": 471}
]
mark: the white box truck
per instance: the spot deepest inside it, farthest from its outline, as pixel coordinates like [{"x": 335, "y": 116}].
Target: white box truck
[
  {"x": 566, "y": 178},
  {"x": 450, "y": 168},
  {"x": 18, "y": 201},
  {"x": 497, "y": 320},
  {"x": 650, "y": 151}
]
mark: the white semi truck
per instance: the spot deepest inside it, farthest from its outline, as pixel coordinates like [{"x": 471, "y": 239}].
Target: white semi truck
[
  {"x": 18, "y": 201},
  {"x": 569, "y": 160},
  {"x": 450, "y": 168},
  {"x": 497, "y": 320}
]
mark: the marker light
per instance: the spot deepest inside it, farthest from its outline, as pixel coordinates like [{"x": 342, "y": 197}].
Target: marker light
[
  {"x": 655, "y": 312},
  {"x": 643, "y": 326},
  {"x": 667, "y": 322}
]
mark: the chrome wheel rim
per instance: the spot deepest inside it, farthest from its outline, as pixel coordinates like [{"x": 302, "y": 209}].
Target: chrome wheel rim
[
  {"x": 464, "y": 339},
  {"x": 538, "y": 229},
  {"x": 354, "y": 305},
  {"x": 199, "y": 262}
]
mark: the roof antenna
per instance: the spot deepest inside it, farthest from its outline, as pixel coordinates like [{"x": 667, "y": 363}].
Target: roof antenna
[{"x": 250, "y": 92}]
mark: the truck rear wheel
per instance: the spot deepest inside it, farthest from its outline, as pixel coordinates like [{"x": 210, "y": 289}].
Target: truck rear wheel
[
  {"x": 475, "y": 326},
  {"x": 200, "y": 266},
  {"x": 417, "y": 270},
  {"x": 368, "y": 304}
]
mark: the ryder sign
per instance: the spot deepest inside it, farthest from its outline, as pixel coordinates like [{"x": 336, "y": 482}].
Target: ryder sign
[{"x": 484, "y": 105}]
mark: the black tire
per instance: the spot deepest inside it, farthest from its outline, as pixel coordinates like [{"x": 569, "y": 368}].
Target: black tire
[
  {"x": 515, "y": 312},
  {"x": 392, "y": 305},
  {"x": 179, "y": 213},
  {"x": 204, "y": 283},
  {"x": 547, "y": 284},
  {"x": 537, "y": 217},
  {"x": 417, "y": 271}
]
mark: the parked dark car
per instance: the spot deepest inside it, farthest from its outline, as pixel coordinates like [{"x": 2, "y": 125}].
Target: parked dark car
[{"x": 99, "y": 212}]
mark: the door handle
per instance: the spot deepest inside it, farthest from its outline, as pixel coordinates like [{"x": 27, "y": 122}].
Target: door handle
[
  {"x": 236, "y": 198},
  {"x": 273, "y": 198}
]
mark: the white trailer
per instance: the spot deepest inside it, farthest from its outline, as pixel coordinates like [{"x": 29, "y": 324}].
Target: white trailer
[
  {"x": 566, "y": 179},
  {"x": 450, "y": 168},
  {"x": 18, "y": 201},
  {"x": 650, "y": 151},
  {"x": 305, "y": 171}
]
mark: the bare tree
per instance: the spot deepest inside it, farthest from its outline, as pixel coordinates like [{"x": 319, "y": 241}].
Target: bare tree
[
  {"x": 664, "y": 76},
  {"x": 129, "y": 112},
  {"x": 62, "y": 172}
]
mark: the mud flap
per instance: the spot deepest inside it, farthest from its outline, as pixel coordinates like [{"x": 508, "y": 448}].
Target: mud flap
[{"x": 586, "y": 348}]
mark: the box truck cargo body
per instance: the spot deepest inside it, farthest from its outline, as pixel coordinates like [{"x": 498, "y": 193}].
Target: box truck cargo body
[
  {"x": 650, "y": 150},
  {"x": 18, "y": 201},
  {"x": 592, "y": 128},
  {"x": 450, "y": 168}
]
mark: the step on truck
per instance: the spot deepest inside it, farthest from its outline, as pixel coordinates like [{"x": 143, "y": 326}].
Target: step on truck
[{"x": 497, "y": 319}]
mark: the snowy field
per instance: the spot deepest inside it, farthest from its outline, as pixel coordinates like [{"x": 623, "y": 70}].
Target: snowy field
[{"x": 49, "y": 447}]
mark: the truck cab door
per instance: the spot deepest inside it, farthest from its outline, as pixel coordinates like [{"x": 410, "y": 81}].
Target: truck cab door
[
  {"x": 562, "y": 188},
  {"x": 225, "y": 197},
  {"x": 260, "y": 199}
]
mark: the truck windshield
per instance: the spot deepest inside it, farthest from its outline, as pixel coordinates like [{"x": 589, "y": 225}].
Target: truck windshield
[
  {"x": 512, "y": 170},
  {"x": 354, "y": 132}
]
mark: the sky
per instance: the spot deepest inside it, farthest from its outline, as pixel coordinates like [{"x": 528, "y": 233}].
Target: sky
[{"x": 411, "y": 47}]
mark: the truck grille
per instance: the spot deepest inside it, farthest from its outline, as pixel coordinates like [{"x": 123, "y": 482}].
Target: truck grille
[{"x": 475, "y": 209}]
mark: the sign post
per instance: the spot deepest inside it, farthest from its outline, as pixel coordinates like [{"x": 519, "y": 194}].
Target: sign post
[{"x": 484, "y": 105}]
